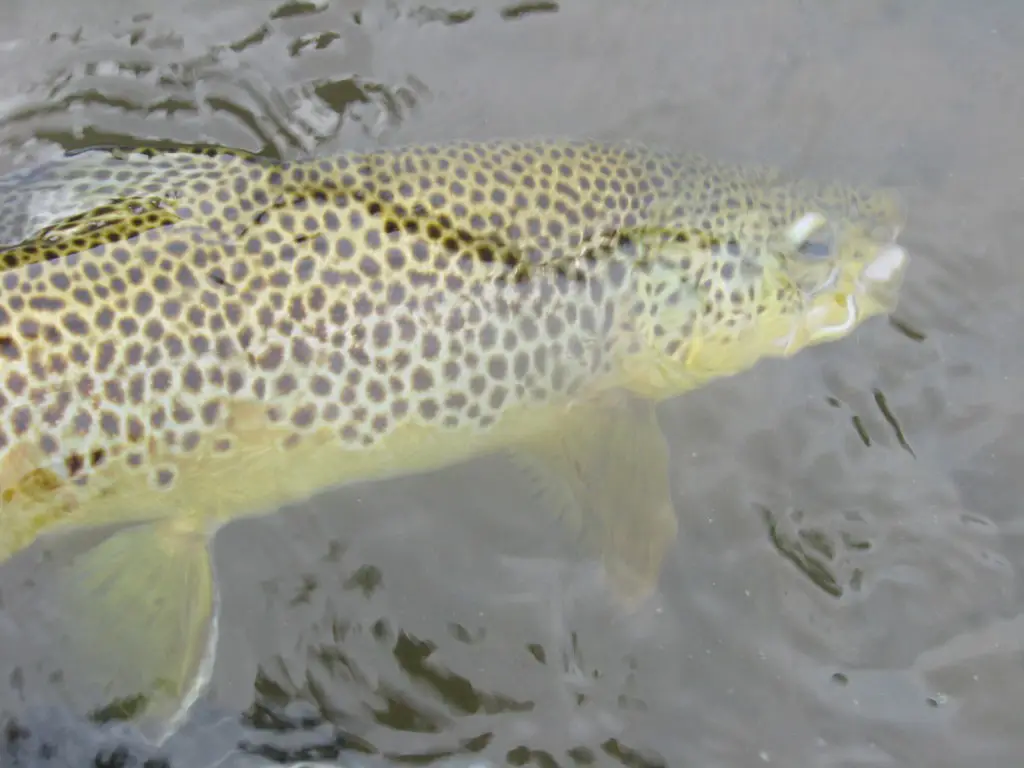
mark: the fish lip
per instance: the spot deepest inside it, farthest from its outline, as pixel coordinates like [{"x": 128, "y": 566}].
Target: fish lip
[
  {"x": 825, "y": 284},
  {"x": 819, "y": 332}
]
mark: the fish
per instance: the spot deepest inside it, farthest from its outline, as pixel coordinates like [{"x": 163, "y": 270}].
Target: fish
[{"x": 193, "y": 335}]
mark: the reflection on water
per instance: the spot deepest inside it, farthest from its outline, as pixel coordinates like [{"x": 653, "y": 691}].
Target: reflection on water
[{"x": 844, "y": 591}]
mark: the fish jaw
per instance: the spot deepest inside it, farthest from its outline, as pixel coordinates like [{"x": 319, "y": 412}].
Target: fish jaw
[{"x": 874, "y": 291}]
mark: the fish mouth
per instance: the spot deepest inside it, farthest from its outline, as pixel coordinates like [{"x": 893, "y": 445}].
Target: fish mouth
[{"x": 836, "y": 313}]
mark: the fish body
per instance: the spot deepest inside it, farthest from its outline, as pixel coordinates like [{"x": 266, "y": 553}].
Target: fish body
[{"x": 188, "y": 337}]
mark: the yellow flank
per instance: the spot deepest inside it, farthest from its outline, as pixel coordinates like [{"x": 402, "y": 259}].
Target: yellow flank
[{"x": 194, "y": 336}]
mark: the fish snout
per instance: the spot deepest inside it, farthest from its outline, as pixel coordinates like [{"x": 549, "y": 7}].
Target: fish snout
[{"x": 882, "y": 277}]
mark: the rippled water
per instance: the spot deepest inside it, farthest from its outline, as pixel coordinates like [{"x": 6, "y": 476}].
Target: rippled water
[{"x": 845, "y": 589}]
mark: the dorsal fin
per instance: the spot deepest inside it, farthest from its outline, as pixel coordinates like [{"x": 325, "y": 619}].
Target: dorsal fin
[
  {"x": 38, "y": 197},
  {"x": 109, "y": 223}
]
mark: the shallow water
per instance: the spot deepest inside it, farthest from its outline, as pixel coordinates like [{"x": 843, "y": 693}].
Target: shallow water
[{"x": 845, "y": 589}]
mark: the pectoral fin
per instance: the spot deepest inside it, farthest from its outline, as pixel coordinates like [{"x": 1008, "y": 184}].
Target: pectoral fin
[
  {"x": 139, "y": 607},
  {"x": 606, "y": 471}
]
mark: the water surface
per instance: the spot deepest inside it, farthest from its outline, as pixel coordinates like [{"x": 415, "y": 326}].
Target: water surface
[{"x": 845, "y": 590}]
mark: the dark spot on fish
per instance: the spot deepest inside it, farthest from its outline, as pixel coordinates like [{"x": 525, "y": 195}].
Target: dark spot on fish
[{"x": 74, "y": 464}]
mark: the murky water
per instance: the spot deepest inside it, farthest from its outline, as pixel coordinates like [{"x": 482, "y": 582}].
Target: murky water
[{"x": 845, "y": 590}]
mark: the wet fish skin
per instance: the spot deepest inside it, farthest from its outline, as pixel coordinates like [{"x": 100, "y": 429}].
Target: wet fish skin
[{"x": 193, "y": 336}]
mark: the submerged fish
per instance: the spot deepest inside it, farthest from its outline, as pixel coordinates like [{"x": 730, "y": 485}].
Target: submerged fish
[{"x": 188, "y": 337}]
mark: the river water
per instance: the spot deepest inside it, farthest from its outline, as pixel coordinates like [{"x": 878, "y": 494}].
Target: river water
[{"x": 845, "y": 591}]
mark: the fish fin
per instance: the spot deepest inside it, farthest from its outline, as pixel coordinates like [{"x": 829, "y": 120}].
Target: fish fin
[
  {"x": 118, "y": 220},
  {"x": 606, "y": 472},
  {"x": 115, "y": 221},
  {"x": 139, "y": 607},
  {"x": 39, "y": 196}
]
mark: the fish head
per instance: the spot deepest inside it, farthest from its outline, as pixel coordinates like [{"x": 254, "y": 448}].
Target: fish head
[
  {"x": 838, "y": 248},
  {"x": 760, "y": 272}
]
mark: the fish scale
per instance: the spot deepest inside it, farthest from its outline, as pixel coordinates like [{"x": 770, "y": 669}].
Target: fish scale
[
  {"x": 322, "y": 304},
  {"x": 194, "y": 336}
]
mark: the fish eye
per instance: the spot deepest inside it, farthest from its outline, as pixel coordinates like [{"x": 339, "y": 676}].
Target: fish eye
[
  {"x": 811, "y": 236},
  {"x": 816, "y": 248}
]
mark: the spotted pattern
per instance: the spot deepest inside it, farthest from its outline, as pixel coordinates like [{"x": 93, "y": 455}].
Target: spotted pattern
[
  {"x": 111, "y": 189},
  {"x": 445, "y": 288}
]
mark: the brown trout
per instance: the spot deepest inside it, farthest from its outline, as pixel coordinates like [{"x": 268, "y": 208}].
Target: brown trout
[{"x": 191, "y": 336}]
